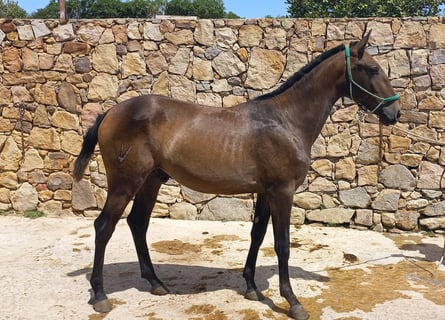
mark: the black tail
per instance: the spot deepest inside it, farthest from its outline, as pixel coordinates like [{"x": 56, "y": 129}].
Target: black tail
[{"x": 89, "y": 143}]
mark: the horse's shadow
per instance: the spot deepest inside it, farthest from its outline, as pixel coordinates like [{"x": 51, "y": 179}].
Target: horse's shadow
[
  {"x": 190, "y": 279},
  {"x": 431, "y": 252}
]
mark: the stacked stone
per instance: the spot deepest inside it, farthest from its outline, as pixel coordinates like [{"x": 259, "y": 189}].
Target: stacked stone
[{"x": 56, "y": 77}]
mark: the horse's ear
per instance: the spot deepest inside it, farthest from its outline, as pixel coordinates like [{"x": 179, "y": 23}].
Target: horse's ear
[{"x": 361, "y": 45}]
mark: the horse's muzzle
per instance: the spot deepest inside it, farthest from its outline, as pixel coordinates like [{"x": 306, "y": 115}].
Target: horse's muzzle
[{"x": 390, "y": 114}]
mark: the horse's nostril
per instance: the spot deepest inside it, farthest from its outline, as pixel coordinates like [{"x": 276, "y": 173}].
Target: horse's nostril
[{"x": 398, "y": 114}]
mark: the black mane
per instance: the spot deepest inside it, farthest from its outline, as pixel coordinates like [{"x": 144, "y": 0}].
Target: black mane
[{"x": 300, "y": 74}]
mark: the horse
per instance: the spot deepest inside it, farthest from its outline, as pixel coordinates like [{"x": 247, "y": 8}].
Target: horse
[{"x": 261, "y": 146}]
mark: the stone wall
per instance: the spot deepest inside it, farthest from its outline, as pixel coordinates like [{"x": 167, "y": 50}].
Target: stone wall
[{"x": 57, "y": 76}]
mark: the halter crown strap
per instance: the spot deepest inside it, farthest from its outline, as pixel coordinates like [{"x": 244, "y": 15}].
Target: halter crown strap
[{"x": 352, "y": 82}]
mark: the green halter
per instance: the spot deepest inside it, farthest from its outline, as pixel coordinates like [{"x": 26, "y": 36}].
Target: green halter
[{"x": 351, "y": 82}]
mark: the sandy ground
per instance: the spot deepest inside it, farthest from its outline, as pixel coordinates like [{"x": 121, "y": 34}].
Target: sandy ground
[{"x": 337, "y": 273}]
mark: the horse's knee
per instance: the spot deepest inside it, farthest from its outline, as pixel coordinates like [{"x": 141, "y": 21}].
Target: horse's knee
[{"x": 282, "y": 250}]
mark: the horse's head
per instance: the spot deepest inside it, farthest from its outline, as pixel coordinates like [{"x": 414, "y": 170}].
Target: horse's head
[{"x": 368, "y": 85}]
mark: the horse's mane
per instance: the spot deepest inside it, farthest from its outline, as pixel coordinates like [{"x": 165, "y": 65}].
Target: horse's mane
[{"x": 300, "y": 74}]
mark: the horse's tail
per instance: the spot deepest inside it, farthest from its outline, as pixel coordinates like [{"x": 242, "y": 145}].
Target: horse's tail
[{"x": 89, "y": 143}]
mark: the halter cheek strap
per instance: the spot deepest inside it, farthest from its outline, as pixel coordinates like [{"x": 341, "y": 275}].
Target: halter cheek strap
[{"x": 352, "y": 82}]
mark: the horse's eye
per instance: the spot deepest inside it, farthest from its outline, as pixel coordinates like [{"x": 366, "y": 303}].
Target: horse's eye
[{"x": 373, "y": 70}]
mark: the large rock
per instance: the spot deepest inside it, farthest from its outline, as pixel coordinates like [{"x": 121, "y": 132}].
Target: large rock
[
  {"x": 67, "y": 97},
  {"x": 307, "y": 200},
  {"x": 156, "y": 63},
  {"x": 8, "y": 179},
  {"x": 182, "y": 88},
  {"x": 398, "y": 63},
  {"x": 382, "y": 34},
  {"x": 30, "y": 60},
  {"x": 437, "y": 209},
  {"x": 387, "y": 200},
  {"x": 355, "y": 198},
  {"x": 195, "y": 196},
  {"x": 407, "y": 220},
  {"x": 40, "y": 29},
  {"x": 436, "y": 38},
  {"x": 364, "y": 217},
  {"x": 227, "y": 209},
  {"x": 83, "y": 196},
  {"x": 65, "y": 120},
  {"x": 250, "y": 36},
  {"x": 265, "y": 68},
  {"x": 89, "y": 115},
  {"x": 345, "y": 169},
  {"x": 339, "y": 145},
  {"x": 47, "y": 139},
  {"x": 11, "y": 59},
  {"x": 133, "y": 64},
  {"x": 32, "y": 161},
  {"x": 368, "y": 152},
  {"x": 225, "y": 37},
  {"x": 180, "y": 62},
  {"x": 181, "y": 37},
  {"x": 169, "y": 194},
  {"x": 227, "y": 64},
  {"x": 397, "y": 177},
  {"x": 331, "y": 216},
  {"x": 10, "y": 155},
  {"x": 321, "y": 184},
  {"x": 104, "y": 59},
  {"x": 437, "y": 73},
  {"x": 71, "y": 142},
  {"x": 275, "y": 39},
  {"x": 429, "y": 175},
  {"x": 59, "y": 180},
  {"x": 433, "y": 223},
  {"x": 323, "y": 167},
  {"x": 24, "y": 198},
  {"x": 90, "y": 33},
  {"x": 410, "y": 35},
  {"x": 103, "y": 86},
  {"x": 152, "y": 32},
  {"x": 204, "y": 32},
  {"x": 202, "y": 70},
  {"x": 45, "y": 94},
  {"x": 183, "y": 211}
]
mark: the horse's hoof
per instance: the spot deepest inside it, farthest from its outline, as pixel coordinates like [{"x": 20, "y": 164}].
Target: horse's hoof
[
  {"x": 297, "y": 312},
  {"x": 159, "y": 290},
  {"x": 102, "y": 306},
  {"x": 254, "y": 295}
]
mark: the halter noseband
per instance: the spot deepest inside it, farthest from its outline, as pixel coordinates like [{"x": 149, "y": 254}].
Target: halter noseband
[{"x": 352, "y": 82}]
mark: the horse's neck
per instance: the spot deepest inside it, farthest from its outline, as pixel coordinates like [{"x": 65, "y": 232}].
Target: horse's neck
[{"x": 314, "y": 96}]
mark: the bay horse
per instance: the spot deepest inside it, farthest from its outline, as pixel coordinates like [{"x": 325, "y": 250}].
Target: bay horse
[{"x": 262, "y": 146}]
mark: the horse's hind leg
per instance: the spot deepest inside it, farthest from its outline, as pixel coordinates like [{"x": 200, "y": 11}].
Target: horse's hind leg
[
  {"x": 259, "y": 227},
  {"x": 104, "y": 225},
  {"x": 138, "y": 221}
]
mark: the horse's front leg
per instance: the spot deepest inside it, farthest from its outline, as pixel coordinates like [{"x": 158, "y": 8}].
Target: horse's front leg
[
  {"x": 259, "y": 227},
  {"x": 280, "y": 201}
]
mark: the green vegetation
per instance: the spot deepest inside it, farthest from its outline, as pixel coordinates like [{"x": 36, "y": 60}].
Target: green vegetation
[
  {"x": 355, "y": 9},
  {"x": 99, "y": 9},
  {"x": 4, "y": 212},
  {"x": 10, "y": 9},
  {"x": 204, "y": 9},
  {"x": 33, "y": 214}
]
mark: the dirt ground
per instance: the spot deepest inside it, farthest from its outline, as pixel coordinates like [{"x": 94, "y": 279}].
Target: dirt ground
[{"x": 337, "y": 273}]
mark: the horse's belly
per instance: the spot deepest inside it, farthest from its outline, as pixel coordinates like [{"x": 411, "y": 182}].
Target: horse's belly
[{"x": 216, "y": 181}]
